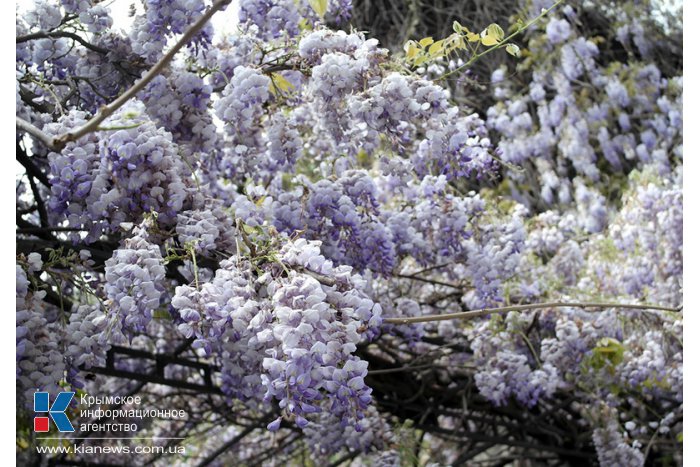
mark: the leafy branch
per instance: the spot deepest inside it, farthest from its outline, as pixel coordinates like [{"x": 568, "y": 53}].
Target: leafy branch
[{"x": 493, "y": 36}]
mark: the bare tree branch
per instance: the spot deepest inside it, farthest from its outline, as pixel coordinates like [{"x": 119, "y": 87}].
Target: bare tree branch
[
  {"x": 41, "y": 207},
  {"x": 30, "y": 167},
  {"x": 534, "y": 306},
  {"x": 429, "y": 281},
  {"x": 39, "y": 135},
  {"x": 31, "y": 230}
]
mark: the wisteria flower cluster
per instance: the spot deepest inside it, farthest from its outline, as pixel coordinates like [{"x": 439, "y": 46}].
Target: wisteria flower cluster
[{"x": 322, "y": 253}]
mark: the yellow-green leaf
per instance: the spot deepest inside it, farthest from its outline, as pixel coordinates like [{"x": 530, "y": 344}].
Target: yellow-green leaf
[
  {"x": 488, "y": 40},
  {"x": 513, "y": 49},
  {"x": 411, "y": 49},
  {"x": 473, "y": 37},
  {"x": 459, "y": 29},
  {"x": 436, "y": 48},
  {"x": 162, "y": 314},
  {"x": 496, "y": 32},
  {"x": 304, "y": 25},
  {"x": 608, "y": 342},
  {"x": 426, "y": 41},
  {"x": 452, "y": 42},
  {"x": 421, "y": 59},
  {"x": 319, "y": 6},
  {"x": 363, "y": 158},
  {"x": 280, "y": 85}
]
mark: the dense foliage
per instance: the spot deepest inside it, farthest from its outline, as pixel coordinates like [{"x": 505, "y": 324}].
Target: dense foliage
[{"x": 265, "y": 209}]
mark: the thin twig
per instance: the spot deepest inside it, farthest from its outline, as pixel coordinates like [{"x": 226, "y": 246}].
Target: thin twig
[
  {"x": 325, "y": 280},
  {"x": 534, "y": 306},
  {"x": 429, "y": 281},
  {"x": 415, "y": 368},
  {"x": 59, "y": 34}
]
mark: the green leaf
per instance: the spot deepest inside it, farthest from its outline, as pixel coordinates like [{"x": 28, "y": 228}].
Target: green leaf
[
  {"x": 513, "y": 49},
  {"x": 319, "y": 6},
  {"x": 162, "y": 314},
  {"x": 253, "y": 231},
  {"x": 287, "y": 181},
  {"x": 609, "y": 351}
]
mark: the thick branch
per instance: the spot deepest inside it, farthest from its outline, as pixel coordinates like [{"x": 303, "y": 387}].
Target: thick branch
[
  {"x": 40, "y": 233},
  {"x": 41, "y": 207},
  {"x": 32, "y": 230},
  {"x": 30, "y": 167},
  {"x": 42, "y": 137},
  {"x": 28, "y": 97},
  {"x": 325, "y": 280},
  {"x": 534, "y": 306}
]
